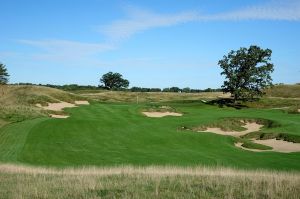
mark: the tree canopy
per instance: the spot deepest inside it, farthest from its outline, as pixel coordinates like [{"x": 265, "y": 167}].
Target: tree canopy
[
  {"x": 112, "y": 80},
  {"x": 3, "y": 74},
  {"x": 247, "y": 72}
]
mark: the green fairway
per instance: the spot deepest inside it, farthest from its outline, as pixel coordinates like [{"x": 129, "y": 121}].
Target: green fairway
[{"x": 109, "y": 134}]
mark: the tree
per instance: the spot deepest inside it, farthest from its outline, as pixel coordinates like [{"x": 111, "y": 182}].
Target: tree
[
  {"x": 3, "y": 74},
  {"x": 186, "y": 90},
  {"x": 247, "y": 72},
  {"x": 114, "y": 81}
]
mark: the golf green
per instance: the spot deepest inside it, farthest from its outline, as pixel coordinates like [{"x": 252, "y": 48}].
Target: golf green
[{"x": 109, "y": 134}]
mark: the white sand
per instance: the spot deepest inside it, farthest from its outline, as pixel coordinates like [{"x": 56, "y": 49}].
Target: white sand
[
  {"x": 82, "y": 102},
  {"x": 59, "y": 116},
  {"x": 250, "y": 127},
  {"x": 280, "y": 145},
  {"x": 161, "y": 114},
  {"x": 60, "y": 106},
  {"x": 277, "y": 145},
  {"x": 57, "y": 106}
]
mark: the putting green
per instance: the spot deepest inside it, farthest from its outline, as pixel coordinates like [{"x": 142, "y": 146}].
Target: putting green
[{"x": 118, "y": 134}]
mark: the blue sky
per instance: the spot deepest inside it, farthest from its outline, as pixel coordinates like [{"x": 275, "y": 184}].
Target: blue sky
[{"x": 153, "y": 43}]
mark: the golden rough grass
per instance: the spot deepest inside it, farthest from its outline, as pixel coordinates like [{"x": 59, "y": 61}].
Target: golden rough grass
[
  {"x": 146, "y": 182},
  {"x": 121, "y": 96}
]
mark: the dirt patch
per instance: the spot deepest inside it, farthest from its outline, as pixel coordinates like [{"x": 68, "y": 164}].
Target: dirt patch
[
  {"x": 82, "y": 102},
  {"x": 249, "y": 126},
  {"x": 280, "y": 145},
  {"x": 161, "y": 114},
  {"x": 59, "y": 116},
  {"x": 56, "y": 106},
  {"x": 299, "y": 110}
]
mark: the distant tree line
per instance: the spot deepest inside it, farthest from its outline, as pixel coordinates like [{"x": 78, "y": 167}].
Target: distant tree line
[
  {"x": 75, "y": 87},
  {"x": 247, "y": 73}
]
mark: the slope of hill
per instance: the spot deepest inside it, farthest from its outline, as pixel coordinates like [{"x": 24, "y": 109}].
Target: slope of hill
[
  {"x": 284, "y": 91},
  {"x": 18, "y": 103}
]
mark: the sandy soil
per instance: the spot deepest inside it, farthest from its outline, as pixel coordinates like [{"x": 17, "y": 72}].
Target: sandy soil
[
  {"x": 250, "y": 127},
  {"x": 59, "y": 116},
  {"x": 280, "y": 145},
  {"x": 57, "y": 106},
  {"x": 60, "y": 106},
  {"x": 82, "y": 102},
  {"x": 161, "y": 114}
]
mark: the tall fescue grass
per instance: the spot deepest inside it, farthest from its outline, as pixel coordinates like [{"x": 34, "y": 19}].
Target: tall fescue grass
[
  {"x": 146, "y": 182},
  {"x": 140, "y": 97},
  {"x": 285, "y": 91}
]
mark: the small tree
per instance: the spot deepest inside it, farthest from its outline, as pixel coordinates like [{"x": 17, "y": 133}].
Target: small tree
[
  {"x": 112, "y": 80},
  {"x": 247, "y": 72},
  {"x": 3, "y": 74}
]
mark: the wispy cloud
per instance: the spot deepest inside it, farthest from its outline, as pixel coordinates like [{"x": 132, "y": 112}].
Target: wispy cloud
[
  {"x": 287, "y": 10},
  {"x": 65, "y": 50},
  {"x": 139, "y": 20}
]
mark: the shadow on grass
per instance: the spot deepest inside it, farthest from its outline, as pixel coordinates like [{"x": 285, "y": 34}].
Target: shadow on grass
[{"x": 225, "y": 102}]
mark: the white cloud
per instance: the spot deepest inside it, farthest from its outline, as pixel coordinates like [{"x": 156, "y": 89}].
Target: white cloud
[
  {"x": 275, "y": 10},
  {"x": 65, "y": 50},
  {"x": 139, "y": 20}
]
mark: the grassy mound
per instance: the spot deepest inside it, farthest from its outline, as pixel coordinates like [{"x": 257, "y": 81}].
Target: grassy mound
[
  {"x": 251, "y": 145},
  {"x": 235, "y": 124},
  {"x": 17, "y": 103},
  {"x": 285, "y": 91},
  {"x": 267, "y": 135}
]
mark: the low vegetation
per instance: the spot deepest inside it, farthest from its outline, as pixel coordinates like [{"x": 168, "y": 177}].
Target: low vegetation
[
  {"x": 146, "y": 182},
  {"x": 148, "y": 97},
  {"x": 284, "y": 91}
]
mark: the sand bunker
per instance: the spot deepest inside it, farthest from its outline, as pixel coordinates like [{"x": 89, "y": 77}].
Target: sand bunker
[
  {"x": 61, "y": 105},
  {"x": 57, "y": 106},
  {"x": 280, "y": 145},
  {"x": 59, "y": 116},
  {"x": 250, "y": 127},
  {"x": 161, "y": 114},
  {"x": 82, "y": 102},
  {"x": 277, "y": 145}
]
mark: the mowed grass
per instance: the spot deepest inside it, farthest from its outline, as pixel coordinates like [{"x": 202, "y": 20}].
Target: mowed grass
[
  {"x": 111, "y": 134},
  {"x": 146, "y": 182}
]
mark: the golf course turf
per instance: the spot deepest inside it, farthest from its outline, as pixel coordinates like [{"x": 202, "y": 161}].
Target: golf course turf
[{"x": 114, "y": 134}]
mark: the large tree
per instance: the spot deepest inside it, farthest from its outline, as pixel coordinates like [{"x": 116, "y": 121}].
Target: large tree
[
  {"x": 112, "y": 80},
  {"x": 247, "y": 72},
  {"x": 3, "y": 74}
]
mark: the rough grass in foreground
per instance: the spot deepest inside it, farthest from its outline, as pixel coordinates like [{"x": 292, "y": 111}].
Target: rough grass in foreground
[{"x": 146, "y": 182}]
